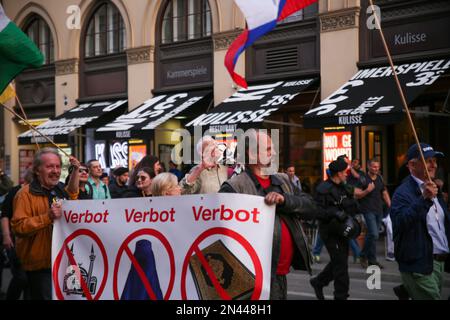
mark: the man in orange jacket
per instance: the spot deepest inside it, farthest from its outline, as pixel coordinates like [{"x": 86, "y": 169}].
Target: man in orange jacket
[{"x": 36, "y": 206}]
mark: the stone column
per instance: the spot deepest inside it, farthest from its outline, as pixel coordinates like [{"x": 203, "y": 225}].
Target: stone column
[
  {"x": 339, "y": 43},
  {"x": 141, "y": 81},
  {"x": 66, "y": 85},
  {"x": 11, "y": 131},
  {"x": 223, "y": 84}
]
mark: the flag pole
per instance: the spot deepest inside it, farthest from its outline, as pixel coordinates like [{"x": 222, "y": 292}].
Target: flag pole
[
  {"x": 24, "y": 113},
  {"x": 35, "y": 130},
  {"x": 400, "y": 90}
]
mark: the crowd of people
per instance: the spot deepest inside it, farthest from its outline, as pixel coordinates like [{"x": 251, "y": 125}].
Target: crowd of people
[{"x": 347, "y": 202}]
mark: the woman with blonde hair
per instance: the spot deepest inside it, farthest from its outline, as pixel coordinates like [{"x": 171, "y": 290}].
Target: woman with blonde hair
[{"x": 165, "y": 184}]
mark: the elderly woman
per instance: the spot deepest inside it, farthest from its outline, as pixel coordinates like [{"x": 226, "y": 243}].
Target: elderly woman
[
  {"x": 165, "y": 184},
  {"x": 142, "y": 187}
]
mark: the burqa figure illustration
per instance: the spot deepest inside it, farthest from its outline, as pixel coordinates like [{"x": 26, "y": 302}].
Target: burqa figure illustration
[{"x": 134, "y": 288}]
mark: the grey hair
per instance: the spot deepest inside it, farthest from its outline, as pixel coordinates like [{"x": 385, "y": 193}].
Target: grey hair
[
  {"x": 37, "y": 161},
  {"x": 28, "y": 176},
  {"x": 370, "y": 161},
  {"x": 202, "y": 141},
  {"x": 162, "y": 182}
]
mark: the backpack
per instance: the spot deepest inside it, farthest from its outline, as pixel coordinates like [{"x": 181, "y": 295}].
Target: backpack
[{"x": 90, "y": 189}]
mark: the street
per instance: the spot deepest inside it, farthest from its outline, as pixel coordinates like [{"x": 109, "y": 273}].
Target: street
[{"x": 300, "y": 289}]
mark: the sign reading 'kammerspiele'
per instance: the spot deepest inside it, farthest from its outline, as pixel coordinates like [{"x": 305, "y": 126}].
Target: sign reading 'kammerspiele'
[{"x": 371, "y": 96}]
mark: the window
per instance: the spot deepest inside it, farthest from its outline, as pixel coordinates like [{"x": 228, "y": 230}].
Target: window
[
  {"x": 186, "y": 20},
  {"x": 310, "y": 11},
  {"x": 38, "y": 31},
  {"x": 105, "y": 33},
  {"x": 296, "y": 16}
]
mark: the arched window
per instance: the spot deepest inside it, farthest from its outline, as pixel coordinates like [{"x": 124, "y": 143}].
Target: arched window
[
  {"x": 38, "y": 31},
  {"x": 186, "y": 20},
  {"x": 105, "y": 33}
]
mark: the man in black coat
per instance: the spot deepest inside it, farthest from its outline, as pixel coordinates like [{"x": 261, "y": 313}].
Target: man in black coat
[
  {"x": 290, "y": 247},
  {"x": 335, "y": 205},
  {"x": 118, "y": 186}
]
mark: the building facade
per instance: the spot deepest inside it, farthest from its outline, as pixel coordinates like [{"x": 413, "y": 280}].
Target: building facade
[{"x": 116, "y": 50}]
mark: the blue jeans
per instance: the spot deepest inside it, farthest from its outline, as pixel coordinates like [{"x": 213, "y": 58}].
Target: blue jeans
[
  {"x": 355, "y": 248},
  {"x": 373, "y": 223},
  {"x": 352, "y": 242},
  {"x": 318, "y": 246}
]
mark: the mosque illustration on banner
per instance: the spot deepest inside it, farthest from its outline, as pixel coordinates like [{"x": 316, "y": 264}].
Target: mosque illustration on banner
[{"x": 72, "y": 283}]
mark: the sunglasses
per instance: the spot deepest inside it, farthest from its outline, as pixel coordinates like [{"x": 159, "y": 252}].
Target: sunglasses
[
  {"x": 143, "y": 178},
  {"x": 83, "y": 170}
]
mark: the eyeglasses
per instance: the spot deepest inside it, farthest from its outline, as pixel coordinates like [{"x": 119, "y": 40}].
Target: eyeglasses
[
  {"x": 83, "y": 170},
  {"x": 143, "y": 178}
]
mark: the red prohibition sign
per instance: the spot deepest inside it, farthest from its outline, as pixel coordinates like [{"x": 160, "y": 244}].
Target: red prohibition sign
[
  {"x": 65, "y": 248},
  {"x": 247, "y": 246},
  {"x": 124, "y": 248}
]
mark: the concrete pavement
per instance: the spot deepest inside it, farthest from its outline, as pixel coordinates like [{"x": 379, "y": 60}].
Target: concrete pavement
[{"x": 299, "y": 287}]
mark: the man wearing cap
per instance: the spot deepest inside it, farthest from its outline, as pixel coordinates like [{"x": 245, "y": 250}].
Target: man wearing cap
[
  {"x": 421, "y": 225},
  {"x": 118, "y": 186},
  {"x": 335, "y": 204}
]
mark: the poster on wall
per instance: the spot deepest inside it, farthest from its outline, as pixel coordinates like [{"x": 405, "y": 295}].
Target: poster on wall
[
  {"x": 118, "y": 154},
  {"x": 25, "y": 162},
  {"x": 335, "y": 144},
  {"x": 135, "y": 154},
  {"x": 99, "y": 153}
]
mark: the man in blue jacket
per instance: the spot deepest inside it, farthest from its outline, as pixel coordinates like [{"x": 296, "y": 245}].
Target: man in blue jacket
[{"x": 421, "y": 225}]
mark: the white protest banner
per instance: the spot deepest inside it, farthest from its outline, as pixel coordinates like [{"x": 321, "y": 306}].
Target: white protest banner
[{"x": 192, "y": 247}]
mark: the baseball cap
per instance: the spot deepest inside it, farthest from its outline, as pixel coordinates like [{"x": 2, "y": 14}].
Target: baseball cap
[
  {"x": 120, "y": 171},
  {"x": 338, "y": 165},
  {"x": 427, "y": 150}
]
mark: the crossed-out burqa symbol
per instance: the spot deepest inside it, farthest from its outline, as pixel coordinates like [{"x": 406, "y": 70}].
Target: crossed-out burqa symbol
[{"x": 140, "y": 272}]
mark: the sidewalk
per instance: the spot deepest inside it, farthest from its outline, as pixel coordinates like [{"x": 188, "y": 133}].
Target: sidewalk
[{"x": 389, "y": 273}]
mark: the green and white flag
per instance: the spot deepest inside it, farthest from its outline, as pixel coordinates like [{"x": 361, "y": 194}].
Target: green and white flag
[{"x": 17, "y": 51}]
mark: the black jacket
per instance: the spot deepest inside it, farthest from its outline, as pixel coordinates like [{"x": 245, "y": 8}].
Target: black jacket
[
  {"x": 117, "y": 191},
  {"x": 335, "y": 204},
  {"x": 132, "y": 192},
  {"x": 7, "y": 206},
  {"x": 332, "y": 198},
  {"x": 297, "y": 205}
]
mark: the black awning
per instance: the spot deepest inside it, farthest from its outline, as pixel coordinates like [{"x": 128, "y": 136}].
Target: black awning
[
  {"x": 84, "y": 115},
  {"x": 152, "y": 113},
  {"x": 371, "y": 96},
  {"x": 249, "y": 107}
]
